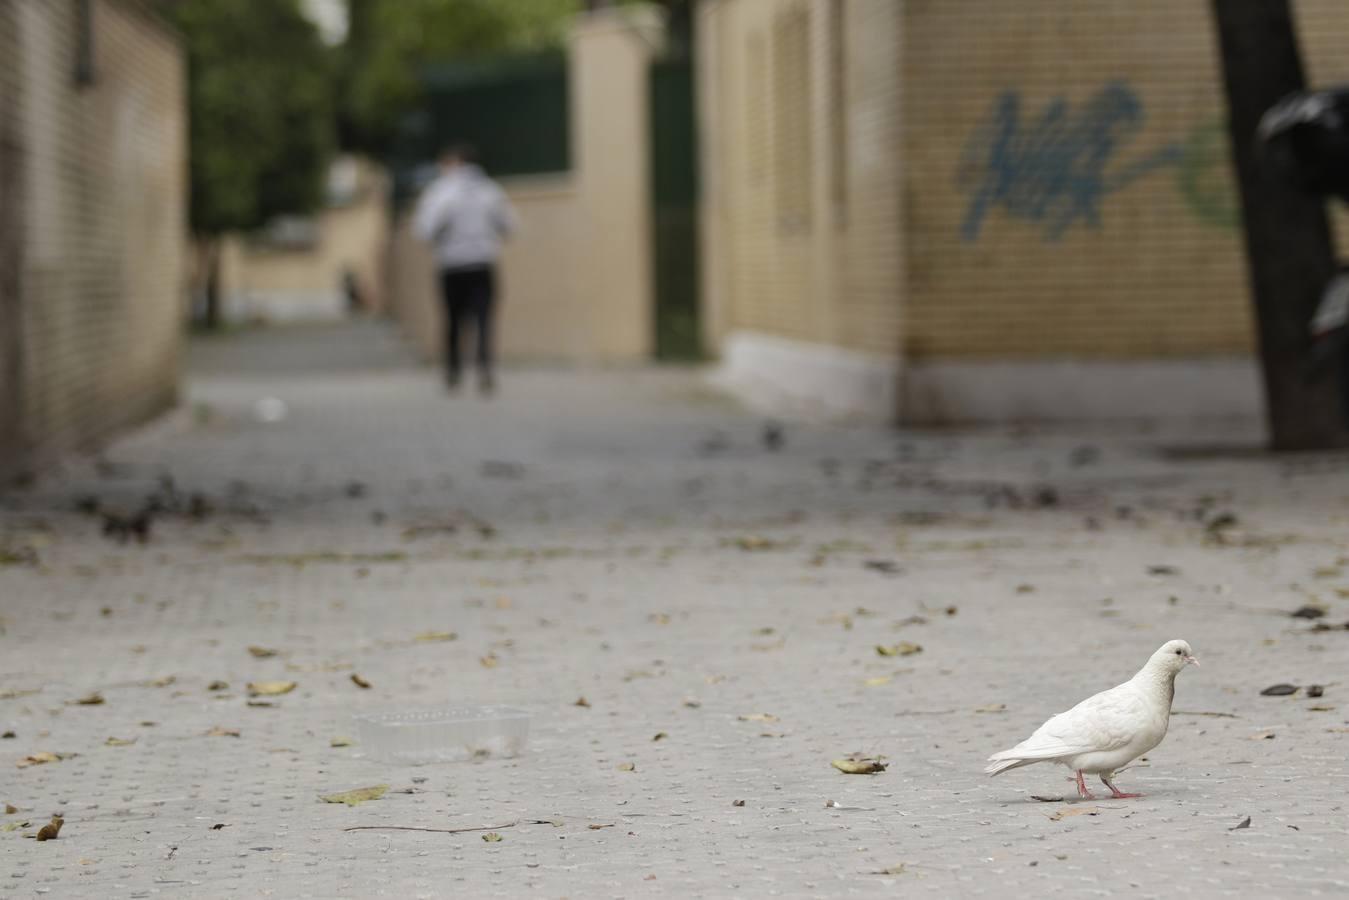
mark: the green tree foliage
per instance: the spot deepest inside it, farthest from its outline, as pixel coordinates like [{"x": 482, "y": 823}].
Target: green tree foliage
[
  {"x": 391, "y": 41},
  {"x": 261, "y": 110}
]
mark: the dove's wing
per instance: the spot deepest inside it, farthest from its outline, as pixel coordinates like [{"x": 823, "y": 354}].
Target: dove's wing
[{"x": 1103, "y": 722}]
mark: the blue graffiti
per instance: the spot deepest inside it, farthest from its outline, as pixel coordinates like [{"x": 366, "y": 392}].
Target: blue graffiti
[{"x": 1056, "y": 171}]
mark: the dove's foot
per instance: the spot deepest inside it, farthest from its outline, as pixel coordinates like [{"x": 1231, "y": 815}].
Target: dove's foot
[
  {"x": 1082, "y": 788},
  {"x": 1116, "y": 793}
]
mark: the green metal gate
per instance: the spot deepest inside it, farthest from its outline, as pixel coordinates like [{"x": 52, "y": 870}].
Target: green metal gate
[{"x": 674, "y": 186}]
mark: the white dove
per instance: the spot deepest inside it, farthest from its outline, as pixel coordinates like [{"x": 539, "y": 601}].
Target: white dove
[{"x": 1104, "y": 732}]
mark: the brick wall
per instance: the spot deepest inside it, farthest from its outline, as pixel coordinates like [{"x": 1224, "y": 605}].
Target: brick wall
[
  {"x": 97, "y": 169},
  {"x": 800, "y": 125},
  {"x": 992, "y": 180}
]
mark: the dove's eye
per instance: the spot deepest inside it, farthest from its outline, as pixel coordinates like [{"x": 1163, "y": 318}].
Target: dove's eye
[{"x": 1178, "y": 653}]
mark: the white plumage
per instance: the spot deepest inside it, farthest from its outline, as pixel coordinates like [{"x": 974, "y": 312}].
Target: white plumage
[{"x": 1105, "y": 732}]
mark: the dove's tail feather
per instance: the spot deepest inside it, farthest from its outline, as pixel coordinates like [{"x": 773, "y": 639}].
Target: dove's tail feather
[{"x": 1002, "y": 765}]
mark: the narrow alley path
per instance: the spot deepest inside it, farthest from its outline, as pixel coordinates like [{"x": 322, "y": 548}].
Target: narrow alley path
[{"x": 690, "y": 603}]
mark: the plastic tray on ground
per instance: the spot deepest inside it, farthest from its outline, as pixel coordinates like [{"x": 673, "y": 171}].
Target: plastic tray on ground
[{"x": 450, "y": 734}]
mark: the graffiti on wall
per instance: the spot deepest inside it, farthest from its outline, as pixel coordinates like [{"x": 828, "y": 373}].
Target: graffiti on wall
[{"x": 1056, "y": 170}]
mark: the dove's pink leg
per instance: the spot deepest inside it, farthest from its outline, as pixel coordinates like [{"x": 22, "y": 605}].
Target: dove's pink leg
[
  {"x": 1116, "y": 793},
  {"x": 1082, "y": 787}
]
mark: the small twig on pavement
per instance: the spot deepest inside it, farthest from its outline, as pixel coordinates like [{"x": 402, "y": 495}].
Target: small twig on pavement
[
  {"x": 553, "y": 822},
  {"x": 1220, "y": 715}
]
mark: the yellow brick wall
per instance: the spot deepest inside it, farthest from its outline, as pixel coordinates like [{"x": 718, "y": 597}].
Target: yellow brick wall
[
  {"x": 802, "y": 187},
  {"x": 101, "y": 182},
  {"x": 1109, "y": 229},
  {"x": 1071, "y": 257}
]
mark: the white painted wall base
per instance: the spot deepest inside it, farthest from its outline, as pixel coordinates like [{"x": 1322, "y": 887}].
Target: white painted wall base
[
  {"x": 801, "y": 380},
  {"x": 950, "y": 392},
  {"x": 279, "y": 307}
]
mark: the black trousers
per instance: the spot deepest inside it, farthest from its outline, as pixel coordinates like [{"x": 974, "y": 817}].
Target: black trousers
[{"x": 469, "y": 296}]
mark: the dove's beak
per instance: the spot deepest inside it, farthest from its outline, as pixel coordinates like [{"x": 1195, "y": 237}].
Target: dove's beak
[{"x": 1192, "y": 661}]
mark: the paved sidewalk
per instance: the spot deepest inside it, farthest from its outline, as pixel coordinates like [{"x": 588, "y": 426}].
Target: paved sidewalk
[{"x": 627, "y": 537}]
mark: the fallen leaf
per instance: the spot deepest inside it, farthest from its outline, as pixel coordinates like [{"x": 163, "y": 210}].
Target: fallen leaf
[
  {"x": 627, "y": 767},
  {"x": 218, "y": 686},
  {"x": 119, "y": 742},
  {"x": 1025, "y": 588},
  {"x": 1055, "y": 798},
  {"x": 359, "y": 681},
  {"x": 1279, "y": 690},
  {"x": 8, "y": 735},
  {"x": 582, "y": 702},
  {"x": 270, "y": 688},
  {"x": 340, "y": 742},
  {"x": 262, "y": 652},
  {"x": 49, "y": 831},
  {"x": 1075, "y": 811},
  {"x": 37, "y": 759},
  {"x": 360, "y": 795},
  {"x": 489, "y": 661},
  {"x": 492, "y": 837},
  {"x": 1308, "y": 612},
  {"x": 660, "y": 736},
  {"x": 436, "y": 636},
  {"x": 13, "y": 826},
  {"x": 1315, "y": 690},
  {"x": 10, "y": 809},
  {"x": 222, "y": 731},
  {"x": 879, "y": 680},
  {"x": 1262, "y": 736},
  {"x": 891, "y": 870},
  {"x": 903, "y": 648},
  {"x": 595, "y": 826},
  {"x": 758, "y": 717},
  {"x": 94, "y": 699},
  {"x": 659, "y": 618},
  {"x": 1163, "y": 570},
  {"x": 992, "y": 708},
  {"x": 267, "y": 703},
  {"x": 1244, "y": 823},
  {"x": 693, "y": 704},
  {"x": 162, "y": 682},
  {"x": 737, "y": 802},
  {"x": 218, "y": 825},
  {"x": 1326, "y": 572},
  {"x": 859, "y": 765},
  {"x": 1321, "y": 708}
]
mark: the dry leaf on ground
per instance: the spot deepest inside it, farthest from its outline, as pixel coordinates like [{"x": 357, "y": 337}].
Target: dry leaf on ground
[
  {"x": 879, "y": 680},
  {"x": 270, "y": 688},
  {"x": 119, "y": 742},
  {"x": 218, "y": 686},
  {"x": 94, "y": 699},
  {"x": 359, "y": 681},
  {"x": 489, "y": 661},
  {"x": 758, "y": 717},
  {"x": 492, "y": 837},
  {"x": 1075, "y": 811},
  {"x": 627, "y": 767},
  {"x": 222, "y": 731},
  {"x": 37, "y": 759},
  {"x": 859, "y": 765},
  {"x": 340, "y": 742},
  {"x": 49, "y": 831},
  {"x": 583, "y": 702},
  {"x": 903, "y": 648},
  {"x": 992, "y": 708},
  {"x": 262, "y": 652},
  {"x": 360, "y": 795},
  {"x": 436, "y": 636}
]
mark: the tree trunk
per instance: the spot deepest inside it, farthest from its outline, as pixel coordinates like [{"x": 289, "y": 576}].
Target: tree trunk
[
  {"x": 1289, "y": 248},
  {"x": 208, "y": 280}
]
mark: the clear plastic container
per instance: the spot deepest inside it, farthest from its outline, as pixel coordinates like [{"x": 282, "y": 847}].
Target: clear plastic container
[{"x": 451, "y": 734}]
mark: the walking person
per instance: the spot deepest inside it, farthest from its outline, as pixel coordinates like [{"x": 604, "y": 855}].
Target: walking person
[{"x": 464, "y": 215}]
